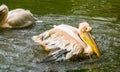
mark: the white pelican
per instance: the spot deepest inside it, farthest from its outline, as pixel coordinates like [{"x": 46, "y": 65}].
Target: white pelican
[
  {"x": 17, "y": 18},
  {"x": 64, "y": 42}
]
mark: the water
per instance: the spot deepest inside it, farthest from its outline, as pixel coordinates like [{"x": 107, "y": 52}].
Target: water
[{"x": 18, "y": 53}]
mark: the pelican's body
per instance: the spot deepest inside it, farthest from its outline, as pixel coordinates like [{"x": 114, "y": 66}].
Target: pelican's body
[
  {"x": 17, "y": 18},
  {"x": 64, "y": 42}
]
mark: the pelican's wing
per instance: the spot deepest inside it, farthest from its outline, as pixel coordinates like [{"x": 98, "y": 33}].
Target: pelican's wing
[
  {"x": 19, "y": 18},
  {"x": 72, "y": 31},
  {"x": 58, "y": 55},
  {"x": 60, "y": 40}
]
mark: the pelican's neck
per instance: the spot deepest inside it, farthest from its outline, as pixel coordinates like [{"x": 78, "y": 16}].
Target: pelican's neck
[
  {"x": 3, "y": 19},
  {"x": 3, "y": 14}
]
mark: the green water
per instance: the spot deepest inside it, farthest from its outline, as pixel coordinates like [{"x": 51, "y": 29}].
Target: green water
[{"x": 18, "y": 53}]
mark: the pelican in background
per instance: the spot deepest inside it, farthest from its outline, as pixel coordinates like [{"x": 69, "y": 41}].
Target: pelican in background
[
  {"x": 17, "y": 18},
  {"x": 64, "y": 42}
]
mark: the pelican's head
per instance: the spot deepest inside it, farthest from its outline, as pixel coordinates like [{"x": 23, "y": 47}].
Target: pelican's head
[
  {"x": 3, "y": 8},
  {"x": 3, "y": 12},
  {"x": 85, "y": 30}
]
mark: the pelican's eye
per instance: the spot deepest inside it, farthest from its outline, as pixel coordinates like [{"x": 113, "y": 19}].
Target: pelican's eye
[
  {"x": 88, "y": 29},
  {"x": 85, "y": 29}
]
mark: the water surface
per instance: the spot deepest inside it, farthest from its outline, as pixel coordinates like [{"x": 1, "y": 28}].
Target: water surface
[{"x": 18, "y": 53}]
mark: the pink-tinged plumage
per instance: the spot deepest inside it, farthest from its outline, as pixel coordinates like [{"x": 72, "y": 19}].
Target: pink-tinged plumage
[{"x": 64, "y": 42}]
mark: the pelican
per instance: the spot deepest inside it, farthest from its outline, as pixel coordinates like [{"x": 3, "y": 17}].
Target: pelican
[
  {"x": 17, "y": 18},
  {"x": 64, "y": 42}
]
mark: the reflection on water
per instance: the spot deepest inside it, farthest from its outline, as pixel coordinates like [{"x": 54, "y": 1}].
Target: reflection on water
[{"x": 19, "y": 53}]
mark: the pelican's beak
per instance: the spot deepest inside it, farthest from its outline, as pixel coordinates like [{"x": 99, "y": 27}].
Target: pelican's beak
[{"x": 90, "y": 41}]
